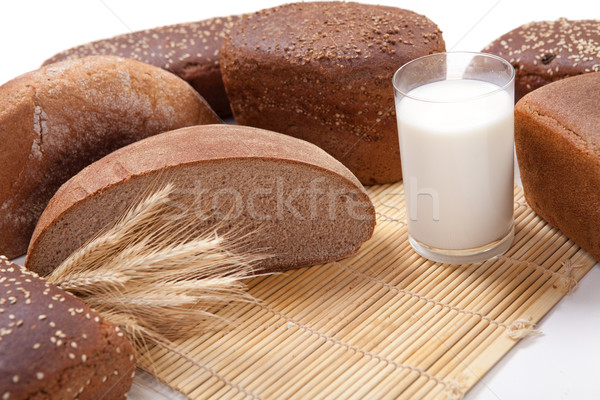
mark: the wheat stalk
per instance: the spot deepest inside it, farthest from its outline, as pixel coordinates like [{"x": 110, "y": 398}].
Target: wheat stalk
[{"x": 155, "y": 281}]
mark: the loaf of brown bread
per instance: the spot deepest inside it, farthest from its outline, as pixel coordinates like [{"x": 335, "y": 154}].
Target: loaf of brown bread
[
  {"x": 322, "y": 72},
  {"x": 546, "y": 51},
  {"x": 298, "y": 204},
  {"x": 557, "y": 136},
  {"x": 189, "y": 50},
  {"x": 56, "y": 120},
  {"x": 54, "y": 347}
]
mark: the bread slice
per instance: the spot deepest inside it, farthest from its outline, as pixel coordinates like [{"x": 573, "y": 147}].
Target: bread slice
[
  {"x": 56, "y": 120},
  {"x": 557, "y": 137},
  {"x": 54, "y": 347},
  {"x": 300, "y": 205}
]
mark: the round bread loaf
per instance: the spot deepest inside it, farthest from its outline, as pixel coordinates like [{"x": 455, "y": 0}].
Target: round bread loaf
[
  {"x": 54, "y": 347},
  {"x": 557, "y": 139},
  {"x": 322, "y": 72},
  {"x": 299, "y": 204},
  {"x": 56, "y": 120},
  {"x": 189, "y": 50},
  {"x": 546, "y": 51}
]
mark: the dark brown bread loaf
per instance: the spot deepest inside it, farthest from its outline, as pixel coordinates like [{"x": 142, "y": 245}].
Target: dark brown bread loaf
[
  {"x": 557, "y": 136},
  {"x": 546, "y": 51},
  {"x": 189, "y": 50},
  {"x": 56, "y": 120},
  {"x": 322, "y": 72},
  {"x": 54, "y": 347},
  {"x": 303, "y": 206}
]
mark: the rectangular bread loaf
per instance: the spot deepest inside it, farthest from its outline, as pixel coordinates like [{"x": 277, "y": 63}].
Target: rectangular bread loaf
[{"x": 557, "y": 137}]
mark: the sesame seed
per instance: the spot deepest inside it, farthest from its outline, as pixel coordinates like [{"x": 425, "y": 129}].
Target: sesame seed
[
  {"x": 74, "y": 345},
  {"x": 39, "y": 375},
  {"x": 104, "y": 378},
  {"x": 71, "y": 356},
  {"x": 15, "y": 379},
  {"x": 36, "y": 346},
  {"x": 83, "y": 358},
  {"x": 6, "y": 396}
]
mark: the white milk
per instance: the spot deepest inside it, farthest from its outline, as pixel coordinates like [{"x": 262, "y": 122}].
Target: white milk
[{"x": 457, "y": 163}]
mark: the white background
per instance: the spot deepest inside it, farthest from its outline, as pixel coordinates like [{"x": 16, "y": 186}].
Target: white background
[{"x": 560, "y": 364}]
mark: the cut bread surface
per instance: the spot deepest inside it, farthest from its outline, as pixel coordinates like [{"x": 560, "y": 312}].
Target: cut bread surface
[{"x": 290, "y": 199}]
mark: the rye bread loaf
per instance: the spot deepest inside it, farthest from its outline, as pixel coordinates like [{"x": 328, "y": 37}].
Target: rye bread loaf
[
  {"x": 322, "y": 72},
  {"x": 54, "y": 347},
  {"x": 546, "y": 51},
  {"x": 298, "y": 203},
  {"x": 56, "y": 120},
  {"x": 557, "y": 137},
  {"x": 189, "y": 50}
]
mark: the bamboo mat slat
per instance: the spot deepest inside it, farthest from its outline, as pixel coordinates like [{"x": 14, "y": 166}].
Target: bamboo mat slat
[{"x": 385, "y": 324}]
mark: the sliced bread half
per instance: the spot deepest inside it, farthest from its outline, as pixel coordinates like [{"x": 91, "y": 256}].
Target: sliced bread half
[{"x": 299, "y": 204}]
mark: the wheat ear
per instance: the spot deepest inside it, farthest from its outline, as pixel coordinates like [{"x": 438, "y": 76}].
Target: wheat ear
[{"x": 156, "y": 284}]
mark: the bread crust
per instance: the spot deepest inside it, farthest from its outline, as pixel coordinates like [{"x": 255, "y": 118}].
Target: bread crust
[
  {"x": 546, "y": 51},
  {"x": 56, "y": 120},
  {"x": 322, "y": 72},
  {"x": 53, "y": 346},
  {"x": 558, "y": 148},
  {"x": 189, "y": 50}
]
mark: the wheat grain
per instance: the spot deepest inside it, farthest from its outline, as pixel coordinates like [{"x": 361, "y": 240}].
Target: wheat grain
[{"x": 153, "y": 278}]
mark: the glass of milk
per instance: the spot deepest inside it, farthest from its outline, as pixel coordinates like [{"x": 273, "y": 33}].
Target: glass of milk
[{"x": 455, "y": 125}]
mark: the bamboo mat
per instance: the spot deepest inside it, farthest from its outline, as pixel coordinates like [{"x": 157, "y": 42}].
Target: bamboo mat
[{"x": 383, "y": 324}]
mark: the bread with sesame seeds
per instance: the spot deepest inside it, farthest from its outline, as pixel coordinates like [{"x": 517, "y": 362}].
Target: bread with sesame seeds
[
  {"x": 54, "y": 347},
  {"x": 322, "y": 72},
  {"x": 189, "y": 50},
  {"x": 557, "y": 138},
  {"x": 56, "y": 120},
  {"x": 295, "y": 202},
  {"x": 546, "y": 51}
]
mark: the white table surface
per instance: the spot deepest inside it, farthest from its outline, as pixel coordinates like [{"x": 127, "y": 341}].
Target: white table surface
[{"x": 560, "y": 364}]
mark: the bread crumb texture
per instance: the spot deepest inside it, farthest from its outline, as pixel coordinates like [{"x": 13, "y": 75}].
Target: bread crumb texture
[{"x": 52, "y": 346}]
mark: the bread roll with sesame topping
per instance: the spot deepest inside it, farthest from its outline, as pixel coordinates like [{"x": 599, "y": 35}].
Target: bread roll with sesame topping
[
  {"x": 189, "y": 50},
  {"x": 56, "y": 120},
  {"x": 54, "y": 347},
  {"x": 546, "y": 51},
  {"x": 322, "y": 72}
]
